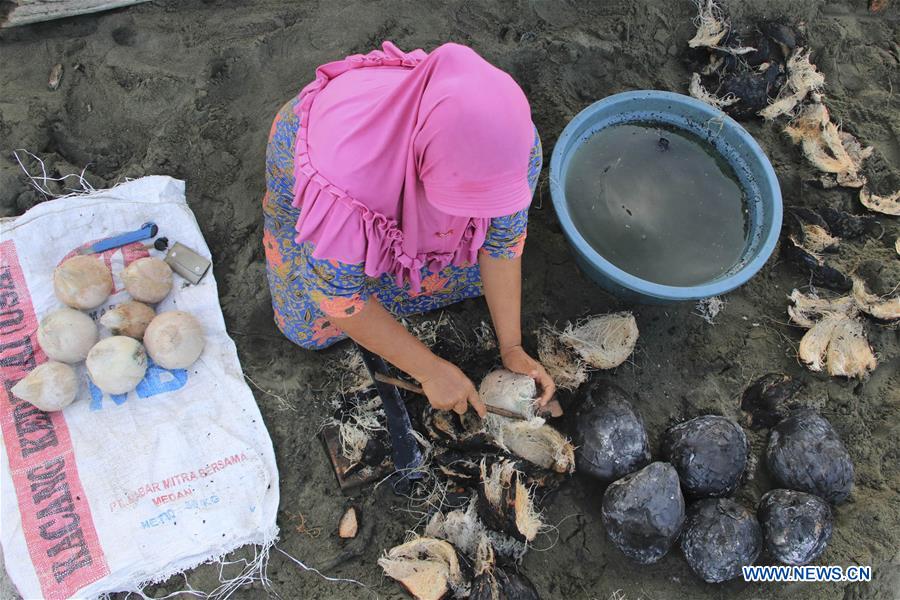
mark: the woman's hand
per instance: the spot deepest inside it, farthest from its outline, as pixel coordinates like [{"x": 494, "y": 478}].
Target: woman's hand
[
  {"x": 448, "y": 388},
  {"x": 515, "y": 359}
]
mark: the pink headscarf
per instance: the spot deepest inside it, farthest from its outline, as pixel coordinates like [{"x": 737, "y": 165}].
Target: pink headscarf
[{"x": 402, "y": 158}]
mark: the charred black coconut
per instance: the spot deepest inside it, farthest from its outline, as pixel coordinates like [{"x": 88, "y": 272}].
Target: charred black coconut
[
  {"x": 611, "y": 441},
  {"x": 709, "y": 453},
  {"x": 643, "y": 512},
  {"x": 806, "y": 454},
  {"x": 720, "y": 536},
  {"x": 796, "y": 525}
]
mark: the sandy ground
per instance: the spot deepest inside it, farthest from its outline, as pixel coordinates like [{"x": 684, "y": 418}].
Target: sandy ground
[{"x": 189, "y": 88}]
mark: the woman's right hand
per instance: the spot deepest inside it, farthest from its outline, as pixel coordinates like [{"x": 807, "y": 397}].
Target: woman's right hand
[{"x": 448, "y": 388}]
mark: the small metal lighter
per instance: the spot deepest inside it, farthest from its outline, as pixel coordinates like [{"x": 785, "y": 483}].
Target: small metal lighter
[{"x": 187, "y": 262}]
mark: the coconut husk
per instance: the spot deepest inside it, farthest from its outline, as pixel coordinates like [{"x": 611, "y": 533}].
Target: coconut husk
[
  {"x": 820, "y": 140},
  {"x": 429, "y": 569},
  {"x": 807, "y": 309},
  {"x": 536, "y": 442},
  {"x": 567, "y": 370},
  {"x": 849, "y": 353},
  {"x": 462, "y": 528},
  {"x": 505, "y": 501},
  {"x": 802, "y": 78},
  {"x": 817, "y": 239},
  {"x": 874, "y": 306},
  {"x": 711, "y": 25},
  {"x": 699, "y": 92},
  {"x": 814, "y": 344},
  {"x": 603, "y": 342},
  {"x": 888, "y": 205}
]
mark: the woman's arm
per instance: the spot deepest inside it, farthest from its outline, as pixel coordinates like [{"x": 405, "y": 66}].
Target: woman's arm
[
  {"x": 378, "y": 331},
  {"x": 502, "y": 280}
]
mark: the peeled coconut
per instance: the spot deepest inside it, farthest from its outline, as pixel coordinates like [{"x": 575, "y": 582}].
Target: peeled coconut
[
  {"x": 796, "y": 525},
  {"x": 82, "y": 282},
  {"x": 643, "y": 512},
  {"x": 117, "y": 364},
  {"x": 50, "y": 386},
  {"x": 148, "y": 279},
  {"x": 720, "y": 537},
  {"x": 427, "y": 568},
  {"x": 174, "y": 339},
  {"x": 603, "y": 342},
  {"x": 67, "y": 335},
  {"x": 511, "y": 391},
  {"x": 709, "y": 453},
  {"x": 129, "y": 318},
  {"x": 611, "y": 441},
  {"x": 805, "y": 453}
]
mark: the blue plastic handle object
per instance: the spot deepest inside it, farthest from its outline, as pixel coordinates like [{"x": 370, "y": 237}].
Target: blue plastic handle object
[{"x": 147, "y": 230}]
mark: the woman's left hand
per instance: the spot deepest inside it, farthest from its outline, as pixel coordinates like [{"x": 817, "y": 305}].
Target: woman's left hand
[{"x": 515, "y": 359}]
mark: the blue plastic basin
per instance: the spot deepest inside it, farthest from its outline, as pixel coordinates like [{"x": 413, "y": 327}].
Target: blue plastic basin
[{"x": 732, "y": 141}]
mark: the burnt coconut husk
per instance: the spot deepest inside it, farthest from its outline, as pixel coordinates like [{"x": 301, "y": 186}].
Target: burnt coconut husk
[
  {"x": 709, "y": 453},
  {"x": 796, "y": 526},
  {"x": 720, "y": 537}
]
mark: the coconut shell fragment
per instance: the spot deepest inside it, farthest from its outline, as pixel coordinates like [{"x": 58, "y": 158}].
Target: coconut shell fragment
[
  {"x": 611, "y": 440},
  {"x": 814, "y": 344},
  {"x": 349, "y": 524},
  {"x": 492, "y": 582},
  {"x": 796, "y": 526},
  {"x": 874, "y": 306},
  {"x": 720, "y": 538},
  {"x": 643, "y": 512},
  {"x": 709, "y": 453},
  {"x": 888, "y": 205},
  {"x": 805, "y": 453},
  {"x": 536, "y": 442},
  {"x": 427, "y": 568}
]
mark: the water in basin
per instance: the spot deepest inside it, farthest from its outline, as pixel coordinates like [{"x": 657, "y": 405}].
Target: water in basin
[{"x": 658, "y": 202}]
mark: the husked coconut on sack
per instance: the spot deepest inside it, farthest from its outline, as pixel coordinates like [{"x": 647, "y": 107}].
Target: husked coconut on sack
[
  {"x": 720, "y": 537},
  {"x": 174, "y": 339},
  {"x": 643, "y": 512},
  {"x": 603, "y": 342},
  {"x": 117, "y": 364},
  {"x": 148, "y": 279},
  {"x": 611, "y": 441},
  {"x": 49, "y": 386},
  {"x": 129, "y": 318},
  {"x": 82, "y": 282},
  {"x": 67, "y": 335},
  {"x": 796, "y": 525}
]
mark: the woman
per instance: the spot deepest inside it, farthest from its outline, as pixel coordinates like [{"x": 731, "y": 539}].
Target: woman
[{"x": 399, "y": 183}]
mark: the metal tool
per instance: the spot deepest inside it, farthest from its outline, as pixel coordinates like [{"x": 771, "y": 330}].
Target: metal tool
[
  {"x": 187, "y": 263},
  {"x": 494, "y": 410},
  {"x": 147, "y": 230},
  {"x": 406, "y": 453}
]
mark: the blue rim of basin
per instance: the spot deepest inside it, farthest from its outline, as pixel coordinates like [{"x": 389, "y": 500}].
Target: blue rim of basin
[{"x": 732, "y": 141}]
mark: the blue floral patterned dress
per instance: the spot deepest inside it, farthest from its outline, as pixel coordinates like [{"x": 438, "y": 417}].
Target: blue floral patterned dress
[{"x": 307, "y": 292}]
